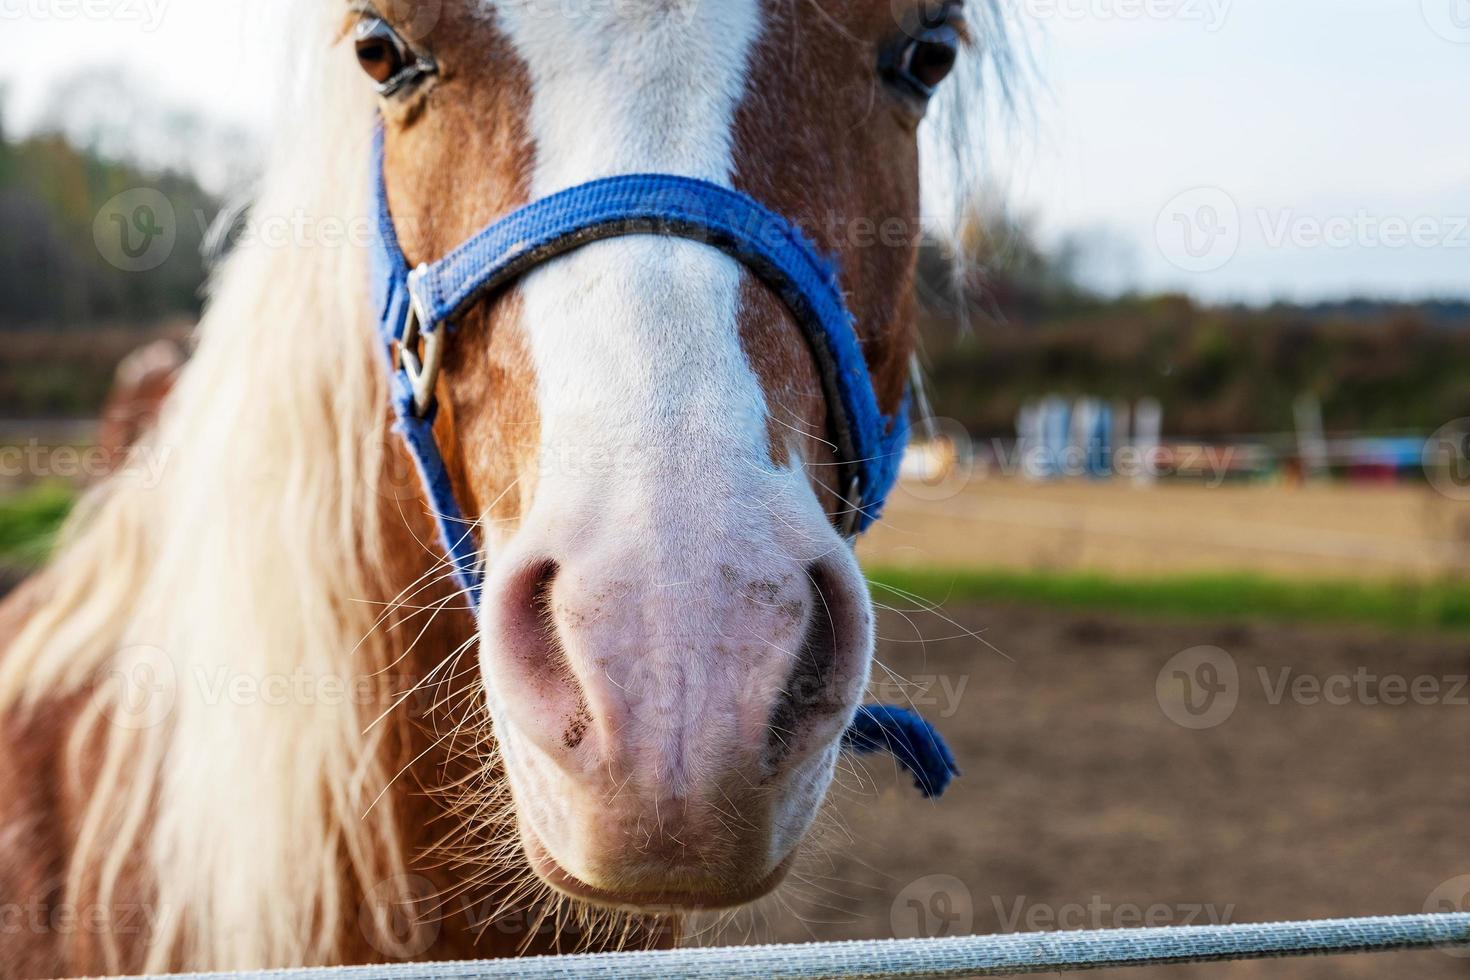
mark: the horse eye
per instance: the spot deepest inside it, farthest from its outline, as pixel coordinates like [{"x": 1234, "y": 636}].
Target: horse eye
[
  {"x": 380, "y": 51},
  {"x": 920, "y": 63},
  {"x": 385, "y": 57}
]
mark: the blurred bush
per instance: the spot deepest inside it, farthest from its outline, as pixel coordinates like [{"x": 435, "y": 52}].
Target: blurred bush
[
  {"x": 52, "y": 275},
  {"x": 1014, "y": 324}
]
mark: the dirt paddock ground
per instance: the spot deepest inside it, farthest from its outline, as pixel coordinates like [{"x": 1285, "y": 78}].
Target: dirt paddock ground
[
  {"x": 1084, "y": 805},
  {"x": 1328, "y": 530},
  {"x": 1313, "y": 771}
]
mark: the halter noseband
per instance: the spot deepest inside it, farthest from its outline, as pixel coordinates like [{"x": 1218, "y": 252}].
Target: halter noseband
[{"x": 417, "y": 308}]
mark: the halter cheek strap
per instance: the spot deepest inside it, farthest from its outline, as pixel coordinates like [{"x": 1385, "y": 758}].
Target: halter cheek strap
[{"x": 417, "y": 308}]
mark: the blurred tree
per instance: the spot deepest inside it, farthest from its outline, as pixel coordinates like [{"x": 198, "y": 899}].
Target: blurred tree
[{"x": 54, "y": 187}]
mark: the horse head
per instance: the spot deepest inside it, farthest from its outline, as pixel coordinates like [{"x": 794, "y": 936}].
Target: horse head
[{"x": 638, "y": 431}]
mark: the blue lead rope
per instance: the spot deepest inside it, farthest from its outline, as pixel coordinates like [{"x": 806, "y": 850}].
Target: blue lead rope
[
  {"x": 911, "y": 740},
  {"x": 422, "y": 304}
]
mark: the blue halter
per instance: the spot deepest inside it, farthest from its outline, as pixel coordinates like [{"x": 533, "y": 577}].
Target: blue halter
[{"x": 416, "y": 308}]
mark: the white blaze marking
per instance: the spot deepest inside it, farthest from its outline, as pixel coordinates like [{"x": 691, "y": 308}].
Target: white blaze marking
[
  {"x": 655, "y": 473},
  {"x": 635, "y": 340}
]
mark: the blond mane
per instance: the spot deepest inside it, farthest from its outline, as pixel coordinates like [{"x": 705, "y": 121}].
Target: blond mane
[{"x": 252, "y": 559}]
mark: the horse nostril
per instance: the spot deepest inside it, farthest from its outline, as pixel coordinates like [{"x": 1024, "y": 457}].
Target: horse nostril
[
  {"x": 541, "y": 580},
  {"x": 552, "y": 651},
  {"x": 819, "y": 646},
  {"x": 818, "y": 687},
  {"x": 529, "y": 637}
]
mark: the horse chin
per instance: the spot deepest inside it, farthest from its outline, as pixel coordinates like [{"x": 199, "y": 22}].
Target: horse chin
[{"x": 676, "y": 895}]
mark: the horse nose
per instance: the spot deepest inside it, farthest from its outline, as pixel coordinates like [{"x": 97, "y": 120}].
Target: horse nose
[{"x": 667, "y": 679}]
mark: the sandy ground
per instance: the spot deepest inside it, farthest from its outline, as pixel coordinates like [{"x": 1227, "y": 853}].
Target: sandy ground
[
  {"x": 1084, "y": 805},
  {"x": 1322, "y": 531}
]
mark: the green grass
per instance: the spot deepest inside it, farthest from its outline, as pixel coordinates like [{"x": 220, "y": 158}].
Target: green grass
[
  {"x": 29, "y": 521},
  {"x": 1438, "y": 605}
]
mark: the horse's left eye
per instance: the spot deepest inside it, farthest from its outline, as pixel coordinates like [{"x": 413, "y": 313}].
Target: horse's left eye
[
  {"x": 386, "y": 58},
  {"x": 918, "y": 64}
]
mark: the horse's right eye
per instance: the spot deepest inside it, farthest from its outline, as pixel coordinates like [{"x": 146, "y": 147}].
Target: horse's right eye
[
  {"x": 386, "y": 58},
  {"x": 918, "y": 64}
]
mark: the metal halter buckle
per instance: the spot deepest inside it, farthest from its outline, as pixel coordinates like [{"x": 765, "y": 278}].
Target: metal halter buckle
[{"x": 421, "y": 369}]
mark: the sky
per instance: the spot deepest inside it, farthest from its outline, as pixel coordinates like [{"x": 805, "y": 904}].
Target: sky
[{"x": 1250, "y": 150}]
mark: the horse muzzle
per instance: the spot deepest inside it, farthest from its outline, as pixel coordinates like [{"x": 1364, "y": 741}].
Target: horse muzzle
[{"x": 670, "y": 720}]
